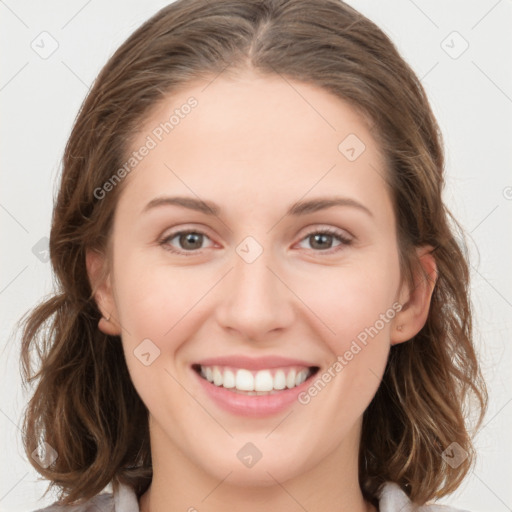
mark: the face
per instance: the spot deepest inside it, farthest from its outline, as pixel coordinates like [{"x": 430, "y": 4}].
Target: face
[{"x": 261, "y": 289}]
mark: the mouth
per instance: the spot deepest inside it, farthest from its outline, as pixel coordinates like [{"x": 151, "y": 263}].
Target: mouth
[{"x": 265, "y": 381}]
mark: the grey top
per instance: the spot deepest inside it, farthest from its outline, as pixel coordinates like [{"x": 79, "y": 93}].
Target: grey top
[{"x": 392, "y": 499}]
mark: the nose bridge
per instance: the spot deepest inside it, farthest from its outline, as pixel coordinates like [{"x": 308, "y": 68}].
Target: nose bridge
[{"x": 254, "y": 301}]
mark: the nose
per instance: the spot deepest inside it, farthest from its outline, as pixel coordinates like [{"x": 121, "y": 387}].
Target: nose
[{"x": 255, "y": 300}]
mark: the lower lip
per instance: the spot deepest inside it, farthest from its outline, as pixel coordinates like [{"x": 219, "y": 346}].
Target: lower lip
[{"x": 251, "y": 405}]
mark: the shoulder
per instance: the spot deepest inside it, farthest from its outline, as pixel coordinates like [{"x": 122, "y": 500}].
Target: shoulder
[
  {"x": 124, "y": 500},
  {"x": 100, "y": 503},
  {"x": 393, "y": 499}
]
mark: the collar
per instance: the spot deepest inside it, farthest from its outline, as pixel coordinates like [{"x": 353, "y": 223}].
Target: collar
[{"x": 391, "y": 499}]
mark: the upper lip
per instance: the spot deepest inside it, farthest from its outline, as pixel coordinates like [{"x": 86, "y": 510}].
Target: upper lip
[{"x": 253, "y": 363}]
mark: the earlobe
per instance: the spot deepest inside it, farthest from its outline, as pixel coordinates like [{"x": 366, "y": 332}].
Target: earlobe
[
  {"x": 101, "y": 286},
  {"x": 415, "y": 300}
]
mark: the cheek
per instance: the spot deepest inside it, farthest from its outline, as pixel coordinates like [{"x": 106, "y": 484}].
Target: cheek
[
  {"x": 353, "y": 301},
  {"x": 358, "y": 310},
  {"x": 152, "y": 305},
  {"x": 357, "y": 305},
  {"x": 159, "y": 302}
]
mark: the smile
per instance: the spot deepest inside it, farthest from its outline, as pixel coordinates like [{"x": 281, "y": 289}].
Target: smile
[{"x": 262, "y": 382}]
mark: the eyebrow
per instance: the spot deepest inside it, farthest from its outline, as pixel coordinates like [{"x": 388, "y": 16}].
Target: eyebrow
[{"x": 296, "y": 209}]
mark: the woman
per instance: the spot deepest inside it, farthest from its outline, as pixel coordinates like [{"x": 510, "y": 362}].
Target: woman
[{"x": 262, "y": 303}]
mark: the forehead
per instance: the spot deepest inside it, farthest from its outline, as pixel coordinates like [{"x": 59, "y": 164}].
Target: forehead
[{"x": 259, "y": 139}]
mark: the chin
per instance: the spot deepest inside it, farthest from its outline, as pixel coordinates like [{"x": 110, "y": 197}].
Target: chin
[{"x": 271, "y": 468}]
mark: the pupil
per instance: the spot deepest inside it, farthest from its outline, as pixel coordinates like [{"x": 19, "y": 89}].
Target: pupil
[
  {"x": 189, "y": 238},
  {"x": 321, "y": 237}
]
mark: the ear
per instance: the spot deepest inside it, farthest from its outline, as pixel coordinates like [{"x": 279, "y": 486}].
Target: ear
[
  {"x": 415, "y": 300},
  {"x": 101, "y": 286}
]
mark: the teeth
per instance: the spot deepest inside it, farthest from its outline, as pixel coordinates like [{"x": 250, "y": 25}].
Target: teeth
[
  {"x": 254, "y": 383},
  {"x": 290, "y": 379},
  {"x": 263, "y": 381},
  {"x": 217, "y": 377},
  {"x": 279, "y": 380},
  {"x": 244, "y": 381},
  {"x": 301, "y": 377},
  {"x": 229, "y": 380}
]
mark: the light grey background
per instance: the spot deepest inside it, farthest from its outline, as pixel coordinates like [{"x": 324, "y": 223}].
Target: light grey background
[{"x": 470, "y": 92}]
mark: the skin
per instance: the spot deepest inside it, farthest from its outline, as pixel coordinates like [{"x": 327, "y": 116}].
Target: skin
[{"x": 254, "y": 146}]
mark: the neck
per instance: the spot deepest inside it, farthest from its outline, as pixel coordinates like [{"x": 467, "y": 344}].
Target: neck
[{"x": 181, "y": 485}]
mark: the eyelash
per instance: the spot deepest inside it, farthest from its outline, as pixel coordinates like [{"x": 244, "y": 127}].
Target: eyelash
[{"x": 344, "y": 241}]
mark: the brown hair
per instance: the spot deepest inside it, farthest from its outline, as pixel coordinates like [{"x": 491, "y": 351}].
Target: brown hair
[{"x": 85, "y": 406}]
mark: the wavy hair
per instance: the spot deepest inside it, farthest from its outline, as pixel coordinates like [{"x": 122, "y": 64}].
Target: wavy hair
[{"x": 84, "y": 404}]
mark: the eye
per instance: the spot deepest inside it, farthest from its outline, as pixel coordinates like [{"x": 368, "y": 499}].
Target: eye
[
  {"x": 322, "y": 239},
  {"x": 189, "y": 240}
]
